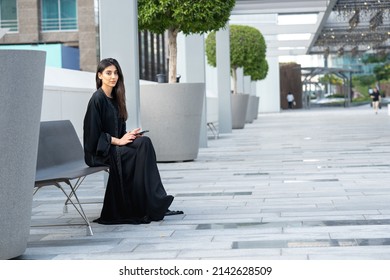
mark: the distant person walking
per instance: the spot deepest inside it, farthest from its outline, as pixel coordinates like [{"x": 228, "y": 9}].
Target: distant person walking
[
  {"x": 376, "y": 98},
  {"x": 370, "y": 92},
  {"x": 290, "y": 100}
]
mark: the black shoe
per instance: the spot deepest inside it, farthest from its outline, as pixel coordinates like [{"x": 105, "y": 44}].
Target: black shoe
[{"x": 170, "y": 213}]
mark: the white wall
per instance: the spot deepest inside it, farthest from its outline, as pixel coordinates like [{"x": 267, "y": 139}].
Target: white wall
[
  {"x": 211, "y": 81},
  {"x": 66, "y": 94}
]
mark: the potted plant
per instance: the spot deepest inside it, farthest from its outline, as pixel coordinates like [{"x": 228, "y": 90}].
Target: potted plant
[
  {"x": 247, "y": 51},
  {"x": 173, "y": 111}
]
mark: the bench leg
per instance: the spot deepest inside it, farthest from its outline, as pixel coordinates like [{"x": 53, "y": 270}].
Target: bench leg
[
  {"x": 78, "y": 207},
  {"x": 213, "y": 129},
  {"x": 89, "y": 231},
  {"x": 75, "y": 187}
]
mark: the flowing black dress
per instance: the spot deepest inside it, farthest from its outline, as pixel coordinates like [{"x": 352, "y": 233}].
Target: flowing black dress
[{"x": 134, "y": 193}]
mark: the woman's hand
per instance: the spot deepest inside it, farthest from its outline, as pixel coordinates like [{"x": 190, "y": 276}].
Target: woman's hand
[
  {"x": 127, "y": 138},
  {"x": 135, "y": 132}
]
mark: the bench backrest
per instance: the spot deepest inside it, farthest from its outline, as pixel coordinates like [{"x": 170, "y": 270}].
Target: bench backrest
[{"x": 58, "y": 144}]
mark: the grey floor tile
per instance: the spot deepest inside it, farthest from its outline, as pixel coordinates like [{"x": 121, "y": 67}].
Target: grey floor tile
[{"x": 301, "y": 185}]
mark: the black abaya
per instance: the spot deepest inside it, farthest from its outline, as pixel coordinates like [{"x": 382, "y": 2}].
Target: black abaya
[{"x": 135, "y": 193}]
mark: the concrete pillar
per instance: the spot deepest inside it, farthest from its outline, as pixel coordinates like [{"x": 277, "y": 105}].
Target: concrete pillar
[
  {"x": 191, "y": 66},
  {"x": 247, "y": 85},
  {"x": 269, "y": 89},
  {"x": 252, "y": 101},
  {"x": 22, "y": 75},
  {"x": 240, "y": 81},
  {"x": 223, "y": 77},
  {"x": 253, "y": 88},
  {"x": 119, "y": 39},
  {"x": 257, "y": 99}
]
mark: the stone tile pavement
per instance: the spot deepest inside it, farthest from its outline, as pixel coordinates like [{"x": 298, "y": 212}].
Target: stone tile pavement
[{"x": 296, "y": 185}]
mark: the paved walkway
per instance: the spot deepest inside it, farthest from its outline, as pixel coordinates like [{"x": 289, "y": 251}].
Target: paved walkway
[{"x": 300, "y": 184}]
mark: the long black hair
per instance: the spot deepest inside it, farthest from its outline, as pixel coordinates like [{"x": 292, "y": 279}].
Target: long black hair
[{"x": 119, "y": 90}]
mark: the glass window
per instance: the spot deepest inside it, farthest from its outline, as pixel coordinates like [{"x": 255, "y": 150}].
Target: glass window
[
  {"x": 8, "y": 15},
  {"x": 59, "y": 15}
]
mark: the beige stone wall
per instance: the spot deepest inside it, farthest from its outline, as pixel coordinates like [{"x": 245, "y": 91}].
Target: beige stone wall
[
  {"x": 69, "y": 38},
  {"x": 28, "y": 17},
  {"x": 87, "y": 35}
]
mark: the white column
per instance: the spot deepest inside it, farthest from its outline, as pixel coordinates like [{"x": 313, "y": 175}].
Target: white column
[
  {"x": 269, "y": 89},
  {"x": 191, "y": 66},
  {"x": 253, "y": 88},
  {"x": 223, "y": 77},
  {"x": 240, "y": 80},
  {"x": 247, "y": 85},
  {"x": 119, "y": 39}
]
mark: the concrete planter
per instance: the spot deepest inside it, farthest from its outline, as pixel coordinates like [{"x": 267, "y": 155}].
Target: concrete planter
[
  {"x": 253, "y": 108},
  {"x": 239, "y": 109},
  {"x": 249, "y": 112},
  {"x": 173, "y": 114},
  {"x": 22, "y": 75},
  {"x": 256, "y": 107}
]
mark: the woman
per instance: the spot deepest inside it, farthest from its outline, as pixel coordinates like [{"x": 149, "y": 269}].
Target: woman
[
  {"x": 134, "y": 193},
  {"x": 376, "y": 98}
]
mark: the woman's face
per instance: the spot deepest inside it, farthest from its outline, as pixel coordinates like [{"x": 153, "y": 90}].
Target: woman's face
[{"x": 109, "y": 76}]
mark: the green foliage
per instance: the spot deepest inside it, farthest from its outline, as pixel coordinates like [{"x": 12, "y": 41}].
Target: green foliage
[
  {"x": 361, "y": 84},
  {"x": 330, "y": 79},
  {"x": 187, "y": 16},
  {"x": 211, "y": 49},
  {"x": 260, "y": 73},
  {"x": 364, "y": 80},
  {"x": 382, "y": 72},
  {"x": 363, "y": 90},
  {"x": 247, "y": 51},
  {"x": 375, "y": 58}
]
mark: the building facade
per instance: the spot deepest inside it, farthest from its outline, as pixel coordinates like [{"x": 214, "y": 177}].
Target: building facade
[
  {"x": 69, "y": 30},
  {"x": 70, "y": 23}
]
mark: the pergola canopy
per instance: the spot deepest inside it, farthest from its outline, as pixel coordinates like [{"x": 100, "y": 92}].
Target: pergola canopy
[{"x": 342, "y": 26}]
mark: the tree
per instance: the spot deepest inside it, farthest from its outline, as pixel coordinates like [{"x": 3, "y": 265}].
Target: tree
[
  {"x": 375, "y": 58},
  {"x": 365, "y": 80},
  {"x": 187, "y": 16},
  {"x": 247, "y": 51},
  {"x": 382, "y": 72}
]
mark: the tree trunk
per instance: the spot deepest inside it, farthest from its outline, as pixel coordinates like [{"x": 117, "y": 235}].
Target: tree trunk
[
  {"x": 172, "y": 42},
  {"x": 234, "y": 75}
]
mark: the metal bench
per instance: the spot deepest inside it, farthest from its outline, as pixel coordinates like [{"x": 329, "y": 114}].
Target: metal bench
[
  {"x": 61, "y": 161},
  {"x": 212, "y": 115}
]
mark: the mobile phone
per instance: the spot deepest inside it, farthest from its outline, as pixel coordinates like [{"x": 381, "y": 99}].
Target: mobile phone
[{"x": 142, "y": 132}]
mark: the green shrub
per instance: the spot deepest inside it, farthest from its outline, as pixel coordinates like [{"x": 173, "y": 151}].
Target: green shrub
[{"x": 247, "y": 51}]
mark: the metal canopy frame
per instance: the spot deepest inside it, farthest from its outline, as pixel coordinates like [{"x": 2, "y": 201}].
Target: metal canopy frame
[
  {"x": 345, "y": 74},
  {"x": 355, "y": 26},
  {"x": 345, "y": 26}
]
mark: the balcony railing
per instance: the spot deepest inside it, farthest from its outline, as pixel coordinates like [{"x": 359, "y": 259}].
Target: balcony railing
[
  {"x": 11, "y": 24},
  {"x": 59, "y": 24}
]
